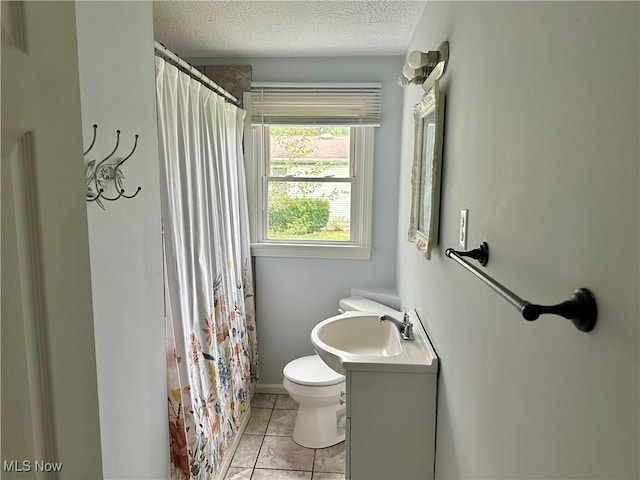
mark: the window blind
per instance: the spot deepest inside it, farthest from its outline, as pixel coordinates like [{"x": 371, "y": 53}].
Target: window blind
[{"x": 299, "y": 104}]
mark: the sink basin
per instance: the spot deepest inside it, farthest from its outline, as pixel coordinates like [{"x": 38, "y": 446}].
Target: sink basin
[
  {"x": 359, "y": 341},
  {"x": 362, "y": 334}
]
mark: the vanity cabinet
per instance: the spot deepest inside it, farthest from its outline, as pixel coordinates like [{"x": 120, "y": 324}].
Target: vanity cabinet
[
  {"x": 391, "y": 425},
  {"x": 391, "y": 392}
]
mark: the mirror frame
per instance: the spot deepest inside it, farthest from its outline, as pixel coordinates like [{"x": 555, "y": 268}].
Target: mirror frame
[{"x": 425, "y": 192}]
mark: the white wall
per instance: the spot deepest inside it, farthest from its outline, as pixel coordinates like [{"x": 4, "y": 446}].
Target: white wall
[
  {"x": 115, "y": 46},
  {"x": 541, "y": 145},
  {"x": 293, "y": 294}
]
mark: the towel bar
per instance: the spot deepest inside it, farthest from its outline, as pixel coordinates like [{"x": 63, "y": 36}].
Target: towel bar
[{"x": 581, "y": 308}]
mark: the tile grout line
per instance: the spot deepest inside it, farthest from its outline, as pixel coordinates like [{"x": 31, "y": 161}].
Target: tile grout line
[
  {"x": 255, "y": 462},
  {"x": 313, "y": 465},
  {"x": 264, "y": 435}
]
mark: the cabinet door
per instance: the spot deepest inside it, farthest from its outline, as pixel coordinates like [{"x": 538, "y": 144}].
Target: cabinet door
[{"x": 391, "y": 425}]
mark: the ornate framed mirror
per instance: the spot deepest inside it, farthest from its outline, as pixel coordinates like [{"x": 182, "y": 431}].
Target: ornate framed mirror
[{"x": 427, "y": 165}]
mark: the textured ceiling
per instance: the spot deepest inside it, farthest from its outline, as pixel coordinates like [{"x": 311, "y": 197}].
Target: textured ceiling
[{"x": 286, "y": 28}]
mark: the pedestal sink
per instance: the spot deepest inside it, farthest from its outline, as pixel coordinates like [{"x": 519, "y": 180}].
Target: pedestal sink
[{"x": 359, "y": 341}]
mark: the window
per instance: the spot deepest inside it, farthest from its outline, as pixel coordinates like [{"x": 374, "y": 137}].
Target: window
[
  {"x": 309, "y": 169},
  {"x": 309, "y": 182}
]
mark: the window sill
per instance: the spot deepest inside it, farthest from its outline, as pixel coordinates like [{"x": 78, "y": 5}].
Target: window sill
[{"x": 346, "y": 252}]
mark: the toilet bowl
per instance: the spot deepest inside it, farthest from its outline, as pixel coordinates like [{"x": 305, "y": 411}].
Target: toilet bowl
[{"x": 320, "y": 391}]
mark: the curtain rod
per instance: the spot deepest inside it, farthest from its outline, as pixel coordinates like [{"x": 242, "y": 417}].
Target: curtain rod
[{"x": 193, "y": 72}]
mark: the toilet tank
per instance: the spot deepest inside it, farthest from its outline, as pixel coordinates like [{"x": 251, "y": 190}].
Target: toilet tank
[{"x": 362, "y": 304}]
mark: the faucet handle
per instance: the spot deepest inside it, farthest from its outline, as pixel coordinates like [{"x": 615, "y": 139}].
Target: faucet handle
[{"x": 407, "y": 331}]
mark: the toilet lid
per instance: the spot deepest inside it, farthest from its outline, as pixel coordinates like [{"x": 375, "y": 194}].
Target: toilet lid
[{"x": 311, "y": 370}]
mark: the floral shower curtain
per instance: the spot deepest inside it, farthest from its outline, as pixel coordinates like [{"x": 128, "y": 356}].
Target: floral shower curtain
[{"x": 210, "y": 324}]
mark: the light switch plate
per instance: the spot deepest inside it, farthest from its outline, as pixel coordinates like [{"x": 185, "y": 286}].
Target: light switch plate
[{"x": 464, "y": 228}]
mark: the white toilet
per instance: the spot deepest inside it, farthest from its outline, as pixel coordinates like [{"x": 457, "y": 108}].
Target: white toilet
[{"x": 320, "y": 391}]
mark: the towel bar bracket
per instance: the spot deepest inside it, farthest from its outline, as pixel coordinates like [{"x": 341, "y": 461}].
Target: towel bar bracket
[
  {"x": 481, "y": 254},
  {"x": 581, "y": 309}
]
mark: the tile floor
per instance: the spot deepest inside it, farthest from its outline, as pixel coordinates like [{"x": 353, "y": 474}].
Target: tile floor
[{"x": 267, "y": 451}]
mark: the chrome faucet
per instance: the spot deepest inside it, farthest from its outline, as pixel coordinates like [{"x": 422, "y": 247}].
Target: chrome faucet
[{"x": 405, "y": 327}]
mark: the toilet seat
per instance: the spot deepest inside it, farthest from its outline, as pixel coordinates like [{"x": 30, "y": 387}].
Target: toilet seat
[{"x": 311, "y": 371}]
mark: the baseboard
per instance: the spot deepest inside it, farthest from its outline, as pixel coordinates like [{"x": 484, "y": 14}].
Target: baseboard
[
  {"x": 228, "y": 456},
  {"x": 274, "y": 388}
]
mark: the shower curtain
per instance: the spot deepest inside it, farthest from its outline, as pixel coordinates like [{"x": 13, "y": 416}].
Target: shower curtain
[{"x": 210, "y": 324}]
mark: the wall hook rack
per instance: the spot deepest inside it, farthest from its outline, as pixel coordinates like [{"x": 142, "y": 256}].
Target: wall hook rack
[
  {"x": 104, "y": 178},
  {"x": 581, "y": 308}
]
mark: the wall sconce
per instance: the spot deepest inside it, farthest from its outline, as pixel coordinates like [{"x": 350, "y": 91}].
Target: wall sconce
[{"x": 420, "y": 64}]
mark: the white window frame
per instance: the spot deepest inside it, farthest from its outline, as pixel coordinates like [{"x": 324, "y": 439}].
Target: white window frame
[{"x": 358, "y": 248}]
